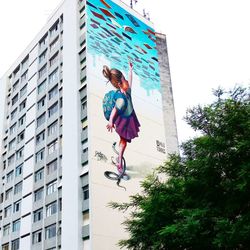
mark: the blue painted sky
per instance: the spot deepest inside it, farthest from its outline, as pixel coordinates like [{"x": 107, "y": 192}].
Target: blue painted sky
[{"x": 121, "y": 37}]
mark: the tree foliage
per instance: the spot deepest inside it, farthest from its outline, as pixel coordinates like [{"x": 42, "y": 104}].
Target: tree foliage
[{"x": 204, "y": 200}]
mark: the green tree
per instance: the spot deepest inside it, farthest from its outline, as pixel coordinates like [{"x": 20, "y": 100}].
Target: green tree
[{"x": 200, "y": 200}]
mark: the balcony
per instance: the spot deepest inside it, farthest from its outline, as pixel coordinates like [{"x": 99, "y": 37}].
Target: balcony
[
  {"x": 84, "y": 113},
  {"x": 84, "y": 135},
  {"x": 84, "y": 157},
  {"x": 85, "y": 232},
  {"x": 85, "y": 205}
]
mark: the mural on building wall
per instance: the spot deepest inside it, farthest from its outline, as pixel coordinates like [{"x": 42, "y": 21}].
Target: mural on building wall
[{"x": 122, "y": 52}]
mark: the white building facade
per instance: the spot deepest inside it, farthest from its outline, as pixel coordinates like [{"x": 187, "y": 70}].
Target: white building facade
[{"x": 54, "y": 144}]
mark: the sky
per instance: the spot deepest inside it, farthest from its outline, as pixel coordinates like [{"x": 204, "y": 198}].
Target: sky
[{"x": 208, "y": 43}]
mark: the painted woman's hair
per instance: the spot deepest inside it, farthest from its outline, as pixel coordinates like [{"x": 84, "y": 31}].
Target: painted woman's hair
[{"x": 113, "y": 75}]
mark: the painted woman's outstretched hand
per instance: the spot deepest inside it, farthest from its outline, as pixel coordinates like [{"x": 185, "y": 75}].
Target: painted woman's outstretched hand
[
  {"x": 110, "y": 127},
  {"x": 130, "y": 65}
]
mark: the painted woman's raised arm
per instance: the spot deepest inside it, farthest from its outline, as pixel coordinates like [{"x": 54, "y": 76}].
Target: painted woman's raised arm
[{"x": 130, "y": 74}]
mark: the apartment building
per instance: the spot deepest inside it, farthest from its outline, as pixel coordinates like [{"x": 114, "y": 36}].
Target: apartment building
[{"x": 55, "y": 148}]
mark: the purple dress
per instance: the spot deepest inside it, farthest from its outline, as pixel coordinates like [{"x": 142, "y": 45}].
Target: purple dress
[{"x": 126, "y": 123}]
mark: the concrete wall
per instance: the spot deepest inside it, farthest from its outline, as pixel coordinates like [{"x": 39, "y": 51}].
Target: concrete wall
[{"x": 167, "y": 95}]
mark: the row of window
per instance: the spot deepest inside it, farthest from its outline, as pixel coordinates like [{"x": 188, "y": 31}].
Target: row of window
[
  {"x": 51, "y": 167},
  {"x": 15, "y": 227},
  {"x": 52, "y": 93},
  {"x": 23, "y": 66},
  {"x": 18, "y": 139},
  {"x": 52, "y": 129},
  {"x": 50, "y": 209},
  {"x": 22, "y": 92},
  {"x": 51, "y": 148},
  {"x": 50, "y": 232},
  {"x": 15, "y": 245},
  {"x": 14, "y": 113},
  {"x": 50, "y": 189},
  {"x": 38, "y": 195},
  {"x": 39, "y": 175},
  {"x": 18, "y": 171},
  {"x": 51, "y": 111},
  {"x": 52, "y": 31},
  {"x": 55, "y": 58},
  {"x": 18, "y": 155}
]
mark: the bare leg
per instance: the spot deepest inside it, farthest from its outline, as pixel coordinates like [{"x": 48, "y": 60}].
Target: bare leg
[{"x": 122, "y": 146}]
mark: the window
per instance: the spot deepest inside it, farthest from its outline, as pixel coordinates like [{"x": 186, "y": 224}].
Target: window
[
  {"x": 53, "y": 109},
  {"x": 38, "y": 215},
  {"x": 37, "y": 237},
  {"x": 15, "y": 85},
  {"x": 41, "y": 87},
  {"x": 25, "y": 62},
  {"x": 54, "y": 44},
  {"x": 21, "y": 121},
  {"x": 23, "y": 90},
  {"x": 54, "y": 29},
  {"x": 84, "y": 103},
  {"x": 16, "y": 71},
  {"x": 24, "y": 76},
  {"x": 12, "y": 144},
  {"x": 1, "y": 198},
  {"x": 22, "y": 105},
  {"x": 42, "y": 56},
  {"x": 5, "y": 247},
  {"x": 82, "y": 21},
  {"x": 17, "y": 206},
  {"x": 51, "y": 188},
  {"x": 13, "y": 129},
  {"x": 40, "y": 155},
  {"x": 50, "y": 231},
  {"x": 20, "y": 137},
  {"x": 52, "y": 147},
  {"x": 51, "y": 167},
  {"x": 51, "y": 209},
  {"x": 11, "y": 159},
  {"x": 18, "y": 187},
  {"x": 38, "y": 194},
  {"x": 53, "y": 77},
  {"x": 54, "y": 59},
  {"x": 61, "y": 102},
  {"x": 43, "y": 41},
  {"x": 41, "y": 103},
  {"x": 52, "y": 129},
  {"x": 19, "y": 154},
  {"x": 6, "y": 230},
  {"x": 8, "y": 194},
  {"x": 14, "y": 99},
  {"x": 19, "y": 170},
  {"x": 16, "y": 226},
  {"x": 7, "y": 211},
  {"x": 15, "y": 245},
  {"x": 40, "y": 137},
  {"x": 10, "y": 176},
  {"x": 85, "y": 191},
  {"x": 60, "y": 204},
  {"x": 42, "y": 71},
  {"x": 13, "y": 114},
  {"x": 40, "y": 120},
  {"x": 82, "y": 55},
  {"x": 39, "y": 175},
  {"x": 53, "y": 92}
]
